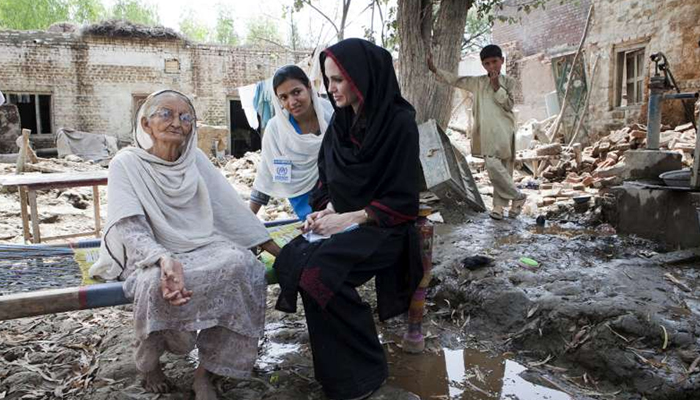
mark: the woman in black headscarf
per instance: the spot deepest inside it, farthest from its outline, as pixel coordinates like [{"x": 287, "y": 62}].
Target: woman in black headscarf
[{"x": 366, "y": 200}]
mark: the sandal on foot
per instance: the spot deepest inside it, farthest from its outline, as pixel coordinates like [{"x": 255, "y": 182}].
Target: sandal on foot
[
  {"x": 517, "y": 206},
  {"x": 497, "y": 215}
]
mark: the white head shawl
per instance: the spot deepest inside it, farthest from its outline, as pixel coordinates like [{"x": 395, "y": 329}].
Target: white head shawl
[
  {"x": 188, "y": 203},
  {"x": 281, "y": 141}
]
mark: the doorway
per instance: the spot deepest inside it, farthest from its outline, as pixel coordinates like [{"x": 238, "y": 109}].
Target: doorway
[
  {"x": 34, "y": 111},
  {"x": 243, "y": 137}
]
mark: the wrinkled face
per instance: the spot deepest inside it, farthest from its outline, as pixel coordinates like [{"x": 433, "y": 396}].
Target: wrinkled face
[
  {"x": 294, "y": 96},
  {"x": 493, "y": 64},
  {"x": 170, "y": 120},
  {"x": 339, "y": 87}
]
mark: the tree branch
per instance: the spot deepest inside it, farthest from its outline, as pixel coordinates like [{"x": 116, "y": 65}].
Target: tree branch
[
  {"x": 308, "y": 2},
  {"x": 467, "y": 41}
]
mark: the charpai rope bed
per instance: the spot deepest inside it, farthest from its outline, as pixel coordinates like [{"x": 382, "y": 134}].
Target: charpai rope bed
[{"x": 47, "y": 279}]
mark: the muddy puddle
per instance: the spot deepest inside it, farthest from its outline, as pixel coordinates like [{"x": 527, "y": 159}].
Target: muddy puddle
[{"x": 463, "y": 374}]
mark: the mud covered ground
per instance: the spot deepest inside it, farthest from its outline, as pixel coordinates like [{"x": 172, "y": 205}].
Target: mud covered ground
[{"x": 601, "y": 317}]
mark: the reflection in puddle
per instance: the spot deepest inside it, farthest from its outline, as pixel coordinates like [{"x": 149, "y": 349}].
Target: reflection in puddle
[
  {"x": 272, "y": 352},
  {"x": 464, "y": 374}
]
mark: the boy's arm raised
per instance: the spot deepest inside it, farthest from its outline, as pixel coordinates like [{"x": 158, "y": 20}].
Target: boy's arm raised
[
  {"x": 504, "y": 95},
  {"x": 468, "y": 83}
]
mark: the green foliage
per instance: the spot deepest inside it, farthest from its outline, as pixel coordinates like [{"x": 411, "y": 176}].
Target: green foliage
[
  {"x": 32, "y": 14},
  {"x": 137, "y": 11},
  {"x": 40, "y": 14},
  {"x": 193, "y": 28},
  {"x": 224, "y": 32},
  {"x": 87, "y": 11},
  {"x": 262, "y": 32},
  {"x": 477, "y": 32},
  {"x": 387, "y": 30}
]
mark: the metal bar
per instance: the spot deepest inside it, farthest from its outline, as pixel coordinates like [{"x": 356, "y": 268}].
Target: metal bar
[
  {"x": 279, "y": 222},
  {"x": 681, "y": 96},
  {"x": 656, "y": 90}
]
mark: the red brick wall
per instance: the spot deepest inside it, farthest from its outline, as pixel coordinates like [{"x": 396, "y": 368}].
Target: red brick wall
[{"x": 557, "y": 25}]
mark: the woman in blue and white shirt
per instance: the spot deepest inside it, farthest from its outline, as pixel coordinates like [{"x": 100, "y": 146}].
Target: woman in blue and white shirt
[{"x": 291, "y": 142}]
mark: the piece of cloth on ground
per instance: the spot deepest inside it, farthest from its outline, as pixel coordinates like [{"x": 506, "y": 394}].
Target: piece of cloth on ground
[
  {"x": 88, "y": 146},
  {"x": 501, "y": 176}
]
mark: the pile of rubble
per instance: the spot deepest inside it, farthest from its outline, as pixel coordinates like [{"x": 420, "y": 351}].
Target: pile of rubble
[
  {"x": 571, "y": 171},
  {"x": 241, "y": 173}
]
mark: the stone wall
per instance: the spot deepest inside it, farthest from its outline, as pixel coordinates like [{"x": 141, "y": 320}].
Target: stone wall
[
  {"x": 93, "y": 80},
  {"x": 669, "y": 26}
]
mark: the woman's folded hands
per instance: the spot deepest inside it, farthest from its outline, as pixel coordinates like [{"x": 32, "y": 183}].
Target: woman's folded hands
[{"x": 172, "y": 281}]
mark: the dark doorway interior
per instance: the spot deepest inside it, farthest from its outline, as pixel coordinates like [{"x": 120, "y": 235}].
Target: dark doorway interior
[
  {"x": 243, "y": 137},
  {"x": 34, "y": 111}
]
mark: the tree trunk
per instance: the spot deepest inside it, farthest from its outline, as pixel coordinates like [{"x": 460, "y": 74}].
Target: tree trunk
[{"x": 417, "y": 35}]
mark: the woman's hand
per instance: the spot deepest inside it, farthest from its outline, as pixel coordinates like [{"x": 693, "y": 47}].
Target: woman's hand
[
  {"x": 331, "y": 224},
  {"x": 172, "y": 282},
  {"x": 313, "y": 217},
  {"x": 271, "y": 247}
]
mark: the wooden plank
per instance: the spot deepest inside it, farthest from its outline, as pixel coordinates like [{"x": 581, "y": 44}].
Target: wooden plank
[
  {"x": 34, "y": 214},
  {"x": 37, "y": 113},
  {"x": 694, "y": 179},
  {"x": 69, "y": 236},
  {"x": 96, "y": 205},
  {"x": 23, "y": 150},
  {"x": 38, "y": 303},
  {"x": 23, "y": 200},
  {"x": 75, "y": 178}
]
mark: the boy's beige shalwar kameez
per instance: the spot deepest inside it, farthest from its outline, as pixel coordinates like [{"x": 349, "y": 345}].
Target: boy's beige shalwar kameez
[{"x": 493, "y": 133}]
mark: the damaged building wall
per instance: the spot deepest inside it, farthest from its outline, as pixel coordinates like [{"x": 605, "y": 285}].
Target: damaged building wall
[
  {"x": 623, "y": 34},
  {"x": 96, "y": 82},
  {"x": 530, "y": 41},
  {"x": 625, "y": 27},
  {"x": 557, "y": 26}
]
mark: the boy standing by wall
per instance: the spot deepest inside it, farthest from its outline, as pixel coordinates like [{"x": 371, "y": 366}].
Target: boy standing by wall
[{"x": 493, "y": 133}]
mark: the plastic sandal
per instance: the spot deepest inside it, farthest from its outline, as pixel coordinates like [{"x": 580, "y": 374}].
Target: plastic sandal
[{"x": 517, "y": 207}]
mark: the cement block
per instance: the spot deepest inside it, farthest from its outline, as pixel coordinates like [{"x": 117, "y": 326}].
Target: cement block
[
  {"x": 649, "y": 164},
  {"x": 666, "y": 216}
]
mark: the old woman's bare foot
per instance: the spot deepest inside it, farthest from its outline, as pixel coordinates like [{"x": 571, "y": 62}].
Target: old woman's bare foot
[
  {"x": 203, "y": 387},
  {"x": 156, "y": 381}
]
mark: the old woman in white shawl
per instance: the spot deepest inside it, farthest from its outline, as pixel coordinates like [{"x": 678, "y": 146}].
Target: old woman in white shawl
[
  {"x": 291, "y": 142},
  {"x": 179, "y": 234}
]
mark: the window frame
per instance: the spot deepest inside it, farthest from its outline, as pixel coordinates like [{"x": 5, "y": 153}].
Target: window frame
[{"x": 621, "y": 54}]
